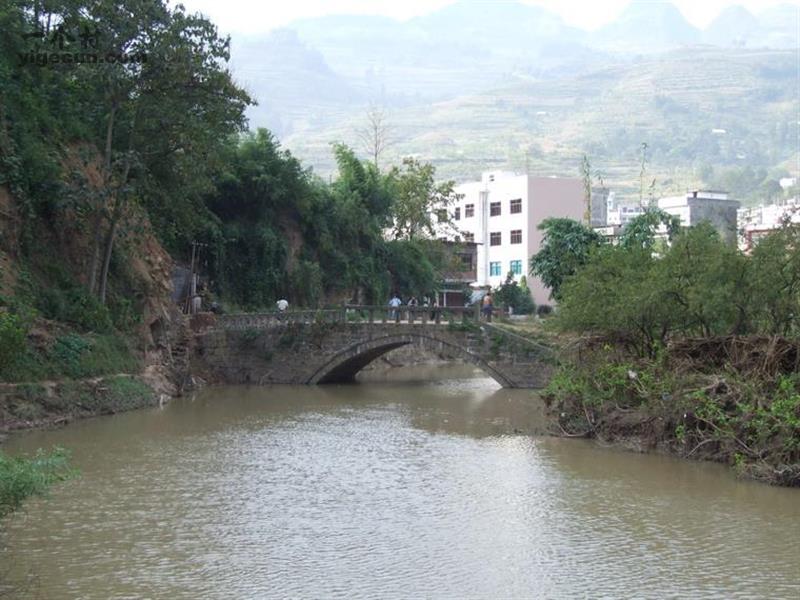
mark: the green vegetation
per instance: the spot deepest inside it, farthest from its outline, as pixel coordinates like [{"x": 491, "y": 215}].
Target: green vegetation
[
  {"x": 699, "y": 287},
  {"x": 71, "y": 355},
  {"x": 284, "y": 232},
  {"x": 740, "y": 410},
  {"x": 695, "y": 348},
  {"x": 99, "y": 157},
  {"x": 21, "y": 478},
  {"x": 566, "y": 245},
  {"x": 515, "y": 295}
]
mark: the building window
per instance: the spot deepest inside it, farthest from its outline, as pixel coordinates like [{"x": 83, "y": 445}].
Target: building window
[
  {"x": 516, "y": 267},
  {"x": 516, "y": 236},
  {"x": 469, "y": 237},
  {"x": 494, "y": 269},
  {"x": 516, "y": 206},
  {"x": 495, "y": 239},
  {"x": 466, "y": 261},
  {"x": 457, "y": 216},
  {"x": 469, "y": 211},
  {"x": 441, "y": 215},
  {"x": 494, "y": 209}
]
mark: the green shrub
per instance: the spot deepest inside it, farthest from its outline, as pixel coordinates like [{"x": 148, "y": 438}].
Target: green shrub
[
  {"x": 21, "y": 478},
  {"x": 127, "y": 393},
  {"x": 74, "y": 305},
  {"x": 12, "y": 342}
]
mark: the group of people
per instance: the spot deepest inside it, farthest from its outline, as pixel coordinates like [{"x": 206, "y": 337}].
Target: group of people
[
  {"x": 487, "y": 306},
  {"x": 395, "y": 303}
]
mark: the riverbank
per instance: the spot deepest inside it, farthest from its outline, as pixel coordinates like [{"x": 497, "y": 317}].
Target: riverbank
[
  {"x": 54, "y": 403},
  {"x": 733, "y": 400}
]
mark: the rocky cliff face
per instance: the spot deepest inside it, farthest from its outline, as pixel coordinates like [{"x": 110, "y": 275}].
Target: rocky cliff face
[{"x": 160, "y": 335}]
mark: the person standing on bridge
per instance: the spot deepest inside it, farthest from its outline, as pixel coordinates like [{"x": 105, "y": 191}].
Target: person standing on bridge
[
  {"x": 488, "y": 307},
  {"x": 394, "y": 304},
  {"x": 282, "y": 305}
]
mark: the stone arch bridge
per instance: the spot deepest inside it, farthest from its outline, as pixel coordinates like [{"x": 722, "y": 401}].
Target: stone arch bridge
[{"x": 332, "y": 346}]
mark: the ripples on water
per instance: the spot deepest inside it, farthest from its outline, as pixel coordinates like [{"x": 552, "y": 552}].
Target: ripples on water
[{"x": 389, "y": 490}]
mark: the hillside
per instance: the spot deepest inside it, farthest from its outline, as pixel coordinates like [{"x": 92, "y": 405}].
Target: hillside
[{"x": 671, "y": 101}]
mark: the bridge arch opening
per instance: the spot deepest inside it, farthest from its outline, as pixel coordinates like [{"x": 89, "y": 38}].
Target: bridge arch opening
[{"x": 345, "y": 365}]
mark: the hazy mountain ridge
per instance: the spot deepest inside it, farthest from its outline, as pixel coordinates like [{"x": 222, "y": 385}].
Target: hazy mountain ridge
[
  {"x": 671, "y": 101},
  {"x": 468, "y": 86}
]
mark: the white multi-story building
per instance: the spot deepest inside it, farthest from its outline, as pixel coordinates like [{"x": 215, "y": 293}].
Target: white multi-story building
[
  {"x": 501, "y": 213},
  {"x": 755, "y": 222}
]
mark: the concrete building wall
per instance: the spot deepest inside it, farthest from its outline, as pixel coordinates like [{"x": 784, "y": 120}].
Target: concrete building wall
[
  {"x": 550, "y": 197},
  {"x": 698, "y": 206}
]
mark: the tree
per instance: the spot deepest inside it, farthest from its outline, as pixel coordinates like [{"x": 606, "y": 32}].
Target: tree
[
  {"x": 616, "y": 293},
  {"x": 180, "y": 101},
  {"x": 775, "y": 280},
  {"x": 516, "y": 295},
  {"x": 418, "y": 200},
  {"x": 157, "y": 114},
  {"x": 374, "y": 135},
  {"x": 700, "y": 287},
  {"x": 642, "y": 230},
  {"x": 565, "y": 247}
]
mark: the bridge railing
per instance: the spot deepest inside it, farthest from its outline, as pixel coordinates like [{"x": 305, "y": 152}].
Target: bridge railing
[
  {"x": 356, "y": 313},
  {"x": 412, "y": 314}
]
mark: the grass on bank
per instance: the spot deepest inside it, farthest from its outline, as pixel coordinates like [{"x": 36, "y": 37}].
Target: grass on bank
[{"x": 21, "y": 478}]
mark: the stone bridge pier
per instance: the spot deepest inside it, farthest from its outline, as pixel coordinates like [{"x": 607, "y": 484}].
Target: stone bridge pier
[{"x": 268, "y": 351}]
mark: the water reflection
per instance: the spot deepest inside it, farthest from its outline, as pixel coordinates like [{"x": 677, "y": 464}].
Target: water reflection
[{"x": 389, "y": 489}]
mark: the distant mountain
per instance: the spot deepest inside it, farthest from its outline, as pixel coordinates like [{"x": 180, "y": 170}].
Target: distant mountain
[
  {"x": 780, "y": 26},
  {"x": 320, "y": 73},
  {"x": 647, "y": 27},
  {"x": 694, "y": 107},
  {"x": 292, "y": 82},
  {"x": 500, "y": 27},
  {"x": 734, "y": 26}
]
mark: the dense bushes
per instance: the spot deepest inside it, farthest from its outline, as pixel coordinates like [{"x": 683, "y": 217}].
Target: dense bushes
[
  {"x": 12, "y": 341},
  {"x": 285, "y": 233},
  {"x": 701, "y": 286},
  {"x": 515, "y": 295},
  {"x": 743, "y": 410},
  {"x": 70, "y": 355},
  {"x": 694, "y": 349}
]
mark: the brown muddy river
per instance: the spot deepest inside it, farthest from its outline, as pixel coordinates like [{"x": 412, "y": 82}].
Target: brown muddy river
[{"x": 391, "y": 489}]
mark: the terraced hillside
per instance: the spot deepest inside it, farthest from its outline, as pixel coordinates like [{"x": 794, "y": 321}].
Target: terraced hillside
[{"x": 695, "y": 108}]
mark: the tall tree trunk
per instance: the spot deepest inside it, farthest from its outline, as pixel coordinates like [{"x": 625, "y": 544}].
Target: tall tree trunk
[
  {"x": 97, "y": 221},
  {"x": 108, "y": 246},
  {"x": 119, "y": 206}
]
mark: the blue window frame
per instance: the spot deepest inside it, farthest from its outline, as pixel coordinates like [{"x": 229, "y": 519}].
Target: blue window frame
[
  {"x": 516, "y": 267},
  {"x": 494, "y": 268}
]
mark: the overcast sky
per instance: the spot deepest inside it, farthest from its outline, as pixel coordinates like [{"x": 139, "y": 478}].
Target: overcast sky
[{"x": 250, "y": 16}]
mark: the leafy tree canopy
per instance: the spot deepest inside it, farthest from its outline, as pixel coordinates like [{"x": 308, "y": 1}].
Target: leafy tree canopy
[{"x": 566, "y": 246}]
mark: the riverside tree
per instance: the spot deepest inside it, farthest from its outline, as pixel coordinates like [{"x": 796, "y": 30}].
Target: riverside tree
[
  {"x": 419, "y": 202},
  {"x": 566, "y": 246}
]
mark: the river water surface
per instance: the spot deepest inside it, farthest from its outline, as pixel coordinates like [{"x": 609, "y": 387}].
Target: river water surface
[{"x": 387, "y": 489}]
